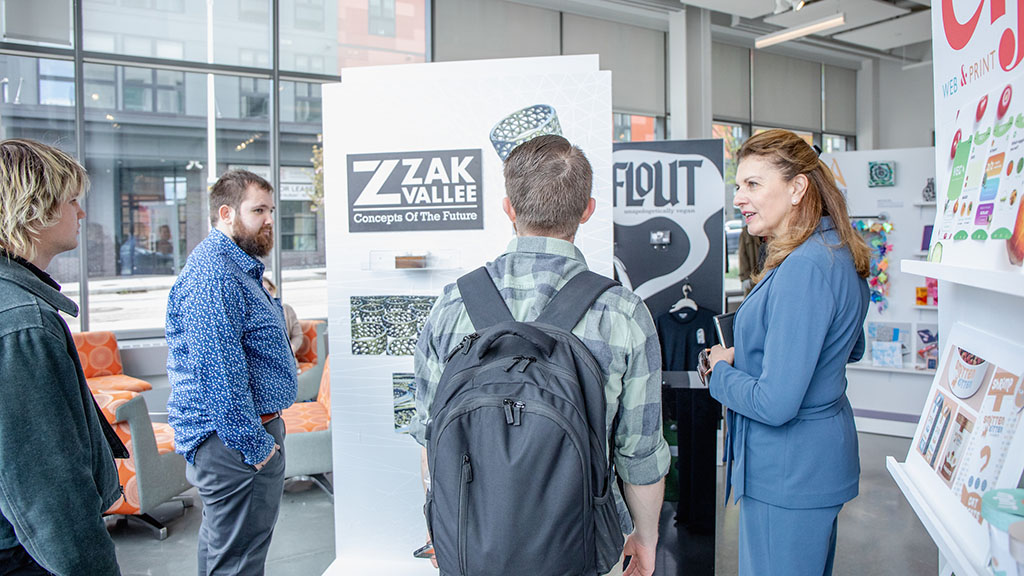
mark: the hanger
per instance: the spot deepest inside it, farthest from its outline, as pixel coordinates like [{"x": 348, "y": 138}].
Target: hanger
[{"x": 686, "y": 301}]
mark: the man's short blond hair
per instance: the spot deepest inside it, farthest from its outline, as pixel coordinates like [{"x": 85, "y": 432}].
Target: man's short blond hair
[{"x": 35, "y": 179}]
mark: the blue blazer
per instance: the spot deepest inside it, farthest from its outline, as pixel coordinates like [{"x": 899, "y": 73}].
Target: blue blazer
[{"x": 792, "y": 439}]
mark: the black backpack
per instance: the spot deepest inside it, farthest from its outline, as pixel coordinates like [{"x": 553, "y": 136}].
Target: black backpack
[{"x": 520, "y": 477}]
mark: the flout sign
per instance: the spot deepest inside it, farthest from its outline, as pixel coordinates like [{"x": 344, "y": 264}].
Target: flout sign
[
  {"x": 404, "y": 191},
  {"x": 640, "y": 179}
]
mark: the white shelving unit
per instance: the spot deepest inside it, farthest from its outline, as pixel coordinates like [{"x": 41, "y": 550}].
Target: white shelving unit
[
  {"x": 953, "y": 559},
  {"x": 1004, "y": 282},
  {"x": 868, "y": 366}
]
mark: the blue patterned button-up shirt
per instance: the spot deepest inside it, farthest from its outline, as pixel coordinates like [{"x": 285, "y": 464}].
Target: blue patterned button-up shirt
[{"x": 228, "y": 355}]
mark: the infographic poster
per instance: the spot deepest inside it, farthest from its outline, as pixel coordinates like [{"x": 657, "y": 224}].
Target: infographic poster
[
  {"x": 969, "y": 439},
  {"x": 413, "y": 200},
  {"x": 979, "y": 135},
  {"x": 668, "y": 199}
]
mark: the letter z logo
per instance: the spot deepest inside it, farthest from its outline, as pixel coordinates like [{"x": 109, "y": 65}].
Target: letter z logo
[{"x": 371, "y": 194}]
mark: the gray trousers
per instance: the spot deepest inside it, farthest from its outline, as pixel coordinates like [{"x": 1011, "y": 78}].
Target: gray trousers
[{"x": 240, "y": 506}]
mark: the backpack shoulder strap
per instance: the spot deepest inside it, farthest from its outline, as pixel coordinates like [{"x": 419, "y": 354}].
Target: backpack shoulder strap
[
  {"x": 574, "y": 299},
  {"x": 483, "y": 302}
]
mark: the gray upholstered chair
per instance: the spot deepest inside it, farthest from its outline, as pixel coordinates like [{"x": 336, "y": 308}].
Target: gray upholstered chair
[
  {"x": 310, "y": 358},
  {"x": 307, "y": 445},
  {"x": 154, "y": 474}
]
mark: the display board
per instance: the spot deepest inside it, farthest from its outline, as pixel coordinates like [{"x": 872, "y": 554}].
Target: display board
[
  {"x": 413, "y": 190},
  {"x": 969, "y": 436},
  {"x": 668, "y": 200},
  {"x": 979, "y": 135}
]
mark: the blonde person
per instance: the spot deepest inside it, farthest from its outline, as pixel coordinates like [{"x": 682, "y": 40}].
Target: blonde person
[
  {"x": 57, "y": 472},
  {"x": 291, "y": 320},
  {"x": 792, "y": 450}
]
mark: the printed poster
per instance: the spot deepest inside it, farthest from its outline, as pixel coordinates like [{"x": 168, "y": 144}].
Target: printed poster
[
  {"x": 969, "y": 438},
  {"x": 979, "y": 135},
  {"x": 668, "y": 202}
]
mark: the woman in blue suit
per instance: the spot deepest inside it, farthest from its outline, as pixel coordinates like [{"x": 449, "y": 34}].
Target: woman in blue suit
[{"x": 792, "y": 447}]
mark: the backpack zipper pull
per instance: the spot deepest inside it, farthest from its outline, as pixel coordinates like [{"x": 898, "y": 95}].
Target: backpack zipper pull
[
  {"x": 507, "y": 402},
  {"x": 462, "y": 345},
  {"x": 468, "y": 341},
  {"x": 529, "y": 360},
  {"x": 467, "y": 468},
  {"x": 515, "y": 360},
  {"x": 517, "y": 413}
]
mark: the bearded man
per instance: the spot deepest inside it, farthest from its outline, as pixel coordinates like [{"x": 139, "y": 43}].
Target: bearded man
[{"x": 231, "y": 371}]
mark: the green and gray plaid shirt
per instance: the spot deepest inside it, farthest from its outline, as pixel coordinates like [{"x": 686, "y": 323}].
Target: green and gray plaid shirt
[{"x": 617, "y": 330}]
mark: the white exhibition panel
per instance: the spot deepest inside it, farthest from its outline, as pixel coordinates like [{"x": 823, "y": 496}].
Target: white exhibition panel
[
  {"x": 888, "y": 401},
  {"x": 408, "y": 110}
]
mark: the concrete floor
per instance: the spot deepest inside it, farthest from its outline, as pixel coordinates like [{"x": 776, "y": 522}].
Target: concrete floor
[{"x": 878, "y": 532}]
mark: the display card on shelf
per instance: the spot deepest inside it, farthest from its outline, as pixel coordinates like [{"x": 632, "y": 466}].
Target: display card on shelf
[{"x": 969, "y": 437}]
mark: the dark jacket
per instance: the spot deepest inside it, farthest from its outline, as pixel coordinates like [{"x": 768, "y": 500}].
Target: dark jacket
[{"x": 57, "y": 472}]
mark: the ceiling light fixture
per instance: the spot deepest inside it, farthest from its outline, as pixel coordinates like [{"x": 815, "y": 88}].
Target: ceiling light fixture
[{"x": 795, "y": 32}]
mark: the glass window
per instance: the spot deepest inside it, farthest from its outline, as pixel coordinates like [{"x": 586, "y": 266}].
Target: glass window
[
  {"x": 24, "y": 114},
  {"x": 57, "y": 82},
  {"x": 302, "y": 222},
  {"x": 100, "y": 86},
  {"x": 148, "y": 208},
  {"x": 368, "y": 33},
  {"x": 635, "y": 128},
  {"x": 382, "y": 17},
  {"x": 836, "y": 143},
  {"x": 309, "y": 14},
  {"x": 237, "y": 24},
  {"x": 734, "y": 135}
]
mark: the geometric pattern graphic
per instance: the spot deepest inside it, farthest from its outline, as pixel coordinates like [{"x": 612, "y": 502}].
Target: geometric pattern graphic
[
  {"x": 523, "y": 125},
  {"x": 881, "y": 174},
  {"x": 108, "y": 402},
  {"x": 405, "y": 400},
  {"x": 388, "y": 324}
]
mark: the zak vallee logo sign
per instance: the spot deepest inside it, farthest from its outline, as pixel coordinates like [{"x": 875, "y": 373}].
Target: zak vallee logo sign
[{"x": 400, "y": 191}]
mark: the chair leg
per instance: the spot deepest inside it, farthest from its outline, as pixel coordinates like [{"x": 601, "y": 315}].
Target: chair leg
[
  {"x": 157, "y": 526},
  {"x": 324, "y": 484}
]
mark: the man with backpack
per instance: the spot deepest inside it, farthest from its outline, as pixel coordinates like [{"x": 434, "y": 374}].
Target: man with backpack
[{"x": 530, "y": 372}]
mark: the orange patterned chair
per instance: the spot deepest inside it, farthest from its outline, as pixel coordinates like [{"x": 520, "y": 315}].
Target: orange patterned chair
[
  {"x": 307, "y": 445},
  {"x": 155, "y": 473},
  {"x": 101, "y": 362},
  {"x": 314, "y": 348}
]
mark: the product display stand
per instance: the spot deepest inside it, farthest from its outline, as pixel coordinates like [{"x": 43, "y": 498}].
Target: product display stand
[
  {"x": 953, "y": 558},
  {"x": 697, "y": 532}
]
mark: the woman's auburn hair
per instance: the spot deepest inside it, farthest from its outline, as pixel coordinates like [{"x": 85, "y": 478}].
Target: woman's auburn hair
[
  {"x": 35, "y": 179},
  {"x": 792, "y": 156}
]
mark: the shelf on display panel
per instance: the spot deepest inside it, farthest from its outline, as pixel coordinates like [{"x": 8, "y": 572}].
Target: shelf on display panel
[
  {"x": 950, "y": 547},
  {"x": 871, "y": 368},
  {"x": 928, "y": 307},
  {"x": 996, "y": 281},
  {"x": 924, "y": 204}
]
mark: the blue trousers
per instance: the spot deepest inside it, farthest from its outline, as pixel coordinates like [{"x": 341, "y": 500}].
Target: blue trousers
[
  {"x": 240, "y": 506},
  {"x": 777, "y": 541}
]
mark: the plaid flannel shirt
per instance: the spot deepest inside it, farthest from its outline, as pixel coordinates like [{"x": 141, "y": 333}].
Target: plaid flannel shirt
[{"x": 618, "y": 330}]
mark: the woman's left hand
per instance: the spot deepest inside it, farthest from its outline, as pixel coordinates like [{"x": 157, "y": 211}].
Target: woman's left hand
[{"x": 721, "y": 354}]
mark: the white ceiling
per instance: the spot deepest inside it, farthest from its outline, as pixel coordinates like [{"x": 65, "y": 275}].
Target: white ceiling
[
  {"x": 742, "y": 8},
  {"x": 858, "y": 13},
  {"x": 910, "y": 29}
]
